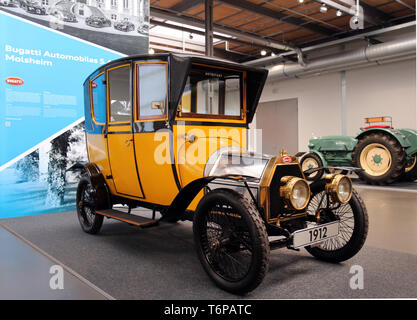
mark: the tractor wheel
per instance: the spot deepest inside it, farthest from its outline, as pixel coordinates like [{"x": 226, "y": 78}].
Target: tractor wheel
[
  {"x": 410, "y": 170},
  {"x": 381, "y": 157},
  {"x": 311, "y": 161}
]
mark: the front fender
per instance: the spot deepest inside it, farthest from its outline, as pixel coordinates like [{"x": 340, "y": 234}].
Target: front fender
[
  {"x": 320, "y": 155},
  {"x": 187, "y": 194}
]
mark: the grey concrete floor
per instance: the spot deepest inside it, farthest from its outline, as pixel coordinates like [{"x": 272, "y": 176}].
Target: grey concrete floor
[
  {"x": 27, "y": 273},
  {"x": 160, "y": 263}
]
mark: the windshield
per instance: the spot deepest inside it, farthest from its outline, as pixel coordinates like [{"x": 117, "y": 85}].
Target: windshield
[
  {"x": 212, "y": 92},
  {"x": 239, "y": 163}
]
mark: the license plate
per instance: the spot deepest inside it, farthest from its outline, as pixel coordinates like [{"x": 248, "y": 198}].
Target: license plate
[{"x": 315, "y": 235}]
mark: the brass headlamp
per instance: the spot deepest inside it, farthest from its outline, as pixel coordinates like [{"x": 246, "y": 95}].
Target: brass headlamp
[
  {"x": 339, "y": 187},
  {"x": 295, "y": 191}
]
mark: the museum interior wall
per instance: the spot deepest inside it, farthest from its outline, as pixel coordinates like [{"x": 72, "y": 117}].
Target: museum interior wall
[{"x": 386, "y": 90}]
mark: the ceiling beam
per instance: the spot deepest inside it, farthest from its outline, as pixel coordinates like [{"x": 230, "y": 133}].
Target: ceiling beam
[
  {"x": 370, "y": 12},
  {"x": 190, "y": 30},
  {"x": 234, "y": 32},
  {"x": 276, "y": 15},
  {"x": 186, "y": 5}
]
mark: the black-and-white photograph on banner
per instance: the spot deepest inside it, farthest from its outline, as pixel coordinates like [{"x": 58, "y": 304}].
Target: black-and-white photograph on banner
[{"x": 121, "y": 25}]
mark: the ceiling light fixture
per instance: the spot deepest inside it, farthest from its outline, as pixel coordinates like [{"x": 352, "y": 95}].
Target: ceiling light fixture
[
  {"x": 338, "y": 13},
  {"x": 323, "y": 8},
  {"x": 151, "y": 51},
  {"x": 263, "y": 53},
  {"x": 300, "y": 1}
]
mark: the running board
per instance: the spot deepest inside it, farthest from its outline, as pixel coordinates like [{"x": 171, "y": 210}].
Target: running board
[{"x": 129, "y": 218}]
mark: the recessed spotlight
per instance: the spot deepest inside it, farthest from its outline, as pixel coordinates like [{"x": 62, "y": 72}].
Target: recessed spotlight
[
  {"x": 263, "y": 53},
  {"x": 300, "y": 1},
  {"x": 323, "y": 8},
  {"x": 273, "y": 54},
  {"x": 339, "y": 13},
  {"x": 151, "y": 51}
]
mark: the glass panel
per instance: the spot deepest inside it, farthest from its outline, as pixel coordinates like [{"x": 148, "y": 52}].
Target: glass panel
[
  {"x": 152, "y": 90},
  {"x": 120, "y": 94},
  {"x": 238, "y": 163},
  {"x": 98, "y": 95},
  {"x": 232, "y": 98},
  {"x": 212, "y": 92},
  {"x": 208, "y": 96}
]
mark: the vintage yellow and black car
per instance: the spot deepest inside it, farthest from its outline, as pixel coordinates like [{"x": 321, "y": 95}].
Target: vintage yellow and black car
[{"x": 168, "y": 132}]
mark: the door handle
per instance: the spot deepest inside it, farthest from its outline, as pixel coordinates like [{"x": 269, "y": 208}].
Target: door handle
[
  {"x": 128, "y": 141},
  {"x": 190, "y": 138}
]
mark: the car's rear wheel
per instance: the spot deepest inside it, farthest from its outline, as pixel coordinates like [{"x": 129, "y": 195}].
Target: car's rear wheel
[
  {"x": 90, "y": 221},
  {"x": 353, "y": 225},
  {"x": 381, "y": 157},
  {"x": 231, "y": 241}
]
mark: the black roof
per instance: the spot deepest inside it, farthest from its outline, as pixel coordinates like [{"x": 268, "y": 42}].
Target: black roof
[{"x": 179, "y": 67}]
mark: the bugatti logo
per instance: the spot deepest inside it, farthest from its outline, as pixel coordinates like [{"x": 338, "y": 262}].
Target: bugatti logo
[
  {"x": 14, "y": 81},
  {"x": 286, "y": 159},
  {"x": 93, "y": 85}
]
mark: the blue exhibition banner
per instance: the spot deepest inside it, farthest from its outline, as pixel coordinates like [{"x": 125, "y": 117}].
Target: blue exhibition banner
[{"x": 42, "y": 71}]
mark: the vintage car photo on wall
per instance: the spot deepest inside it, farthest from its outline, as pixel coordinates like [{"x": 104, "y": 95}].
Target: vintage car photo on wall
[{"x": 180, "y": 122}]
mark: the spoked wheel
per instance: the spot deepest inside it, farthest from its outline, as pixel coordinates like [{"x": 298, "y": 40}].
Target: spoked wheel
[
  {"x": 90, "y": 221},
  {"x": 312, "y": 161},
  {"x": 353, "y": 228},
  {"x": 231, "y": 241}
]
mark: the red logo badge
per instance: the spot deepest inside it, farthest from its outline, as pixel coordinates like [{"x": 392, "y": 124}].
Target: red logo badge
[
  {"x": 286, "y": 159},
  {"x": 14, "y": 81},
  {"x": 93, "y": 85}
]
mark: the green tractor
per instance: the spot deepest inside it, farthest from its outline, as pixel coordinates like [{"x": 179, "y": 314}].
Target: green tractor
[{"x": 382, "y": 154}]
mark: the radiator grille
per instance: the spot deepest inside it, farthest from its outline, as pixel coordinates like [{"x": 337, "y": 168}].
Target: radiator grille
[{"x": 276, "y": 202}]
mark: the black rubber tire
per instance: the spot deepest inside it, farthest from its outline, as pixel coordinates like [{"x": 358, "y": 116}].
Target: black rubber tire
[
  {"x": 258, "y": 236},
  {"x": 411, "y": 175},
  {"x": 316, "y": 175},
  {"x": 359, "y": 234},
  {"x": 398, "y": 156},
  {"x": 93, "y": 226}
]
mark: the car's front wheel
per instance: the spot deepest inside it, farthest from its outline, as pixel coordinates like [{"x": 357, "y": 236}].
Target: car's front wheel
[
  {"x": 353, "y": 224},
  {"x": 231, "y": 241}
]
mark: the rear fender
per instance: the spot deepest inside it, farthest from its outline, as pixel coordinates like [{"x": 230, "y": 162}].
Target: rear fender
[
  {"x": 411, "y": 136},
  {"x": 397, "y": 134},
  {"x": 102, "y": 197}
]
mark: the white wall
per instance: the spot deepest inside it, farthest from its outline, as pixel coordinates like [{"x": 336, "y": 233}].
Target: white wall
[{"x": 388, "y": 90}]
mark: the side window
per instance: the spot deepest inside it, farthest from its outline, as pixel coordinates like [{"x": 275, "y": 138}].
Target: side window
[
  {"x": 152, "y": 90},
  {"x": 214, "y": 92},
  {"x": 119, "y": 94},
  {"x": 98, "y": 99}
]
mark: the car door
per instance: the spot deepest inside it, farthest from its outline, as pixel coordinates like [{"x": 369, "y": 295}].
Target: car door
[
  {"x": 121, "y": 147},
  {"x": 152, "y": 135}
]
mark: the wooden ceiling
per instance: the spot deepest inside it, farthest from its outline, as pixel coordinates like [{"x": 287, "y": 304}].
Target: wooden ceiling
[{"x": 283, "y": 21}]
